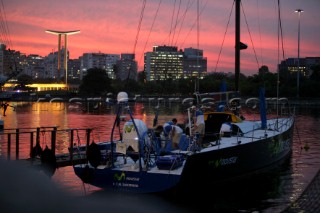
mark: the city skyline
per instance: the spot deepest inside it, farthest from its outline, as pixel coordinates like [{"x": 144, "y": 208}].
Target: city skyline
[{"x": 111, "y": 27}]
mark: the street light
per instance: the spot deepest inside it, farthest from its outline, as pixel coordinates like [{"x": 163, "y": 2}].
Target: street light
[{"x": 299, "y": 11}]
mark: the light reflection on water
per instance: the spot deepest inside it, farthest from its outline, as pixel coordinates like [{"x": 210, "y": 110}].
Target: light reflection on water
[{"x": 290, "y": 181}]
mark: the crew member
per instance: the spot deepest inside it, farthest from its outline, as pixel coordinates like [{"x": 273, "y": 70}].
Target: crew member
[
  {"x": 200, "y": 125},
  {"x": 174, "y": 132}
]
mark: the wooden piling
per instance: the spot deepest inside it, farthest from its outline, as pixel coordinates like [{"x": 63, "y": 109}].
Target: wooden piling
[
  {"x": 71, "y": 145},
  {"x": 9, "y": 146},
  {"x": 17, "y": 144},
  {"x": 88, "y": 136},
  {"x": 38, "y": 135},
  {"x": 53, "y": 139},
  {"x": 31, "y": 143}
]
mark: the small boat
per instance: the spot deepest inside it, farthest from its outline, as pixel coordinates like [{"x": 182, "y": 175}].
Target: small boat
[{"x": 232, "y": 147}]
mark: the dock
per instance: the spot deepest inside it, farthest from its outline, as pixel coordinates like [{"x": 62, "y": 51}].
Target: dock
[{"x": 13, "y": 141}]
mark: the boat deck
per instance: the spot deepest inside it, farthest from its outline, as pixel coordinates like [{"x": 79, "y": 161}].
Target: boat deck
[{"x": 251, "y": 132}]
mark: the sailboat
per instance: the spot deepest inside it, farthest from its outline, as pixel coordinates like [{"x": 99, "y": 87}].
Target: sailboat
[{"x": 143, "y": 161}]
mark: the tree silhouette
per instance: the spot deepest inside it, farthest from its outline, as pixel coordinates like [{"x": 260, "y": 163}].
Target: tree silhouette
[{"x": 96, "y": 82}]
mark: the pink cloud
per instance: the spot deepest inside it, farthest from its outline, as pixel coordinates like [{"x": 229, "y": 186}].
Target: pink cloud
[{"x": 111, "y": 27}]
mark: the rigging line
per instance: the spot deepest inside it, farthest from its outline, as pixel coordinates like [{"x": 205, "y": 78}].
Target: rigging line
[
  {"x": 151, "y": 28},
  {"x": 3, "y": 34},
  {"x": 281, "y": 36},
  {"x": 259, "y": 25},
  {"x": 137, "y": 36},
  {"x": 215, "y": 69},
  {"x": 1, "y": 27},
  {"x": 281, "y": 32},
  {"x": 194, "y": 23},
  {"x": 139, "y": 25},
  {"x": 198, "y": 29},
  {"x": 176, "y": 23},
  {"x": 6, "y": 28},
  {"x": 182, "y": 21},
  {"x": 278, "y": 75},
  {"x": 170, "y": 32},
  {"x": 254, "y": 50}
]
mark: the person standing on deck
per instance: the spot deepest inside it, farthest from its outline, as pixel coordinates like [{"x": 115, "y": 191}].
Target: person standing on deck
[
  {"x": 199, "y": 125},
  {"x": 174, "y": 132},
  {"x": 174, "y": 121}
]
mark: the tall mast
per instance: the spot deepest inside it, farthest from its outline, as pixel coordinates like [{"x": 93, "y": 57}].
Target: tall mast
[{"x": 237, "y": 41}]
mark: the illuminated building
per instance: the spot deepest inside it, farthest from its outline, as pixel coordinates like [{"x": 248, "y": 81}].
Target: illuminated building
[
  {"x": 194, "y": 64},
  {"x": 290, "y": 66},
  {"x": 166, "y": 62},
  {"x": 127, "y": 67},
  {"x": 38, "y": 86},
  {"x": 99, "y": 60},
  {"x": 10, "y": 65}
]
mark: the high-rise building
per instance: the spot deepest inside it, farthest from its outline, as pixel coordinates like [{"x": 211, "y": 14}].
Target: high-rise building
[
  {"x": 310, "y": 62},
  {"x": 194, "y": 64},
  {"x": 127, "y": 67},
  {"x": 51, "y": 64},
  {"x": 167, "y": 62},
  {"x": 164, "y": 62},
  {"x": 10, "y": 65},
  {"x": 34, "y": 67},
  {"x": 74, "y": 69},
  {"x": 290, "y": 65},
  {"x": 101, "y": 61}
]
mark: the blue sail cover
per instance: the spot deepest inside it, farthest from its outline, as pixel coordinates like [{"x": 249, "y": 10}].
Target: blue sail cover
[
  {"x": 223, "y": 86},
  {"x": 222, "y": 103},
  {"x": 263, "y": 115}
]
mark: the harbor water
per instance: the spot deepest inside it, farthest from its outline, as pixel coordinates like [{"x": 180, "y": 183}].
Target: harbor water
[{"x": 269, "y": 192}]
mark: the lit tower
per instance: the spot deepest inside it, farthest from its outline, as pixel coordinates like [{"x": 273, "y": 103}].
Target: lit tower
[{"x": 65, "y": 33}]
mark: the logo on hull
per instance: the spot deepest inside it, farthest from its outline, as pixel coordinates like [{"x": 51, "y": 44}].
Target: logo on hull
[
  {"x": 118, "y": 177},
  {"x": 223, "y": 161},
  {"x": 122, "y": 181}
]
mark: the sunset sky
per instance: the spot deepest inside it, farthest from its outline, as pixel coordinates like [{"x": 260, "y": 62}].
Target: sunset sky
[{"x": 112, "y": 26}]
